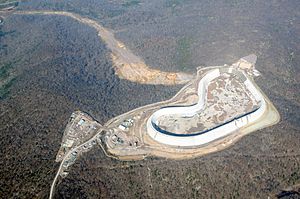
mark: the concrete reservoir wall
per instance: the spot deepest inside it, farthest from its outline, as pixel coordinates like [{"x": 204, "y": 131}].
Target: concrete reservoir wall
[{"x": 214, "y": 133}]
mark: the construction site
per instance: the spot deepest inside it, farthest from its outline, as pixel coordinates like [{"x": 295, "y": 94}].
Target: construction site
[{"x": 211, "y": 112}]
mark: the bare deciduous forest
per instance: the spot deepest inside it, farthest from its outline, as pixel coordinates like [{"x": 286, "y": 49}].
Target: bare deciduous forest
[{"x": 51, "y": 66}]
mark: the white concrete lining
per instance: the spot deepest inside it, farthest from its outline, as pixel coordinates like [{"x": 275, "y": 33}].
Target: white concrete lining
[{"x": 215, "y": 133}]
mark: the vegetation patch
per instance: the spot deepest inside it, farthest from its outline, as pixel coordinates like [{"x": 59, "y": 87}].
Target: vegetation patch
[
  {"x": 173, "y": 3},
  {"x": 2, "y": 33},
  {"x": 183, "y": 50},
  {"x": 6, "y": 1},
  {"x": 7, "y": 78},
  {"x": 129, "y": 3},
  {"x": 233, "y": 3},
  {"x": 5, "y": 88},
  {"x": 4, "y": 4},
  {"x": 4, "y": 71}
]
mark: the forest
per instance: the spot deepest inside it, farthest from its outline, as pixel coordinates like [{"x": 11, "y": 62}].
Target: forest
[{"x": 51, "y": 66}]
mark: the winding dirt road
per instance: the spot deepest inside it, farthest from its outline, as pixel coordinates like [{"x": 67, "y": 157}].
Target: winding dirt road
[{"x": 126, "y": 64}]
